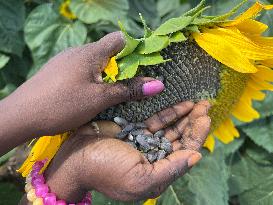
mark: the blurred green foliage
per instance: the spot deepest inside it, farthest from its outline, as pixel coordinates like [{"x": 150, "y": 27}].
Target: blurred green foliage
[{"x": 32, "y": 31}]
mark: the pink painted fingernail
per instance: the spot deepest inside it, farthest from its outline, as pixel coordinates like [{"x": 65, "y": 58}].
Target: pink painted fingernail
[{"x": 152, "y": 88}]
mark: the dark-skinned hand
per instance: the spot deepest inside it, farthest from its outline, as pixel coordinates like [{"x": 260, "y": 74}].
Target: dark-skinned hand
[
  {"x": 68, "y": 92},
  {"x": 96, "y": 161}
]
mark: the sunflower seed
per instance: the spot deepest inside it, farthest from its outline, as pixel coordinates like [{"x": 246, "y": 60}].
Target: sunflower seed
[
  {"x": 121, "y": 121},
  {"x": 153, "y": 141},
  {"x": 152, "y": 156},
  {"x": 121, "y": 135},
  {"x": 128, "y": 128},
  {"x": 130, "y": 137},
  {"x": 161, "y": 154},
  {"x": 137, "y": 132},
  {"x": 166, "y": 146},
  {"x": 142, "y": 141},
  {"x": 159, "y": 133}
]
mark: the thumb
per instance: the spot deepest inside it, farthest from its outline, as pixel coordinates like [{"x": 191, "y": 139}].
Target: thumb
[
  {"x": 166, "y": 171},
  {"x": 110, "y": 45},
  {"x": 134, "y": 89}
]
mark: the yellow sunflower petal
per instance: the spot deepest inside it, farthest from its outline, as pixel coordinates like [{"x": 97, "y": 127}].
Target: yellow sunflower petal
[
  {"x": 226, "y": 132},
  {"x": 260, "y": 83},
  {"x": 243, "y": 110},
  {"x": 264, "y": 73},
  {"x": 268, "y": 63},
  {"x": 111, "y": 69},
  {"x": 250, "y": 13},
  {"x": 210, "y": 143},
  {"x": 248, "y": 48},
  {"x": 261, "y": 40},
  {"x": 65, "y": 10},
  {"x": 255, "y": 94},
  {"x": 222, "y": 50},
  {"x": 150, "y": 202},
  {"x": 45, "y": 148},
  {"x": 252, "y": 27}
]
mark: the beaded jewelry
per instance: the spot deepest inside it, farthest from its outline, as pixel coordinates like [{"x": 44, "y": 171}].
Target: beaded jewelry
[{"x": 38, "y": 192}]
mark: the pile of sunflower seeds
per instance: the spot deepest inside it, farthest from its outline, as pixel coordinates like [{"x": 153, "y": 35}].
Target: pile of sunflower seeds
[{"x": 153, "y": 146}]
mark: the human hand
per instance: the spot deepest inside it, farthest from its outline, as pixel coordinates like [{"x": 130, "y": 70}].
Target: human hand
[
  {"x": 91, "y": 161},
  {"x": 67, "y": 92}
]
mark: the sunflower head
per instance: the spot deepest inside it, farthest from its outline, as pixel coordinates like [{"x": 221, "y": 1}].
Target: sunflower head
[{"x": 226, "y": 61}]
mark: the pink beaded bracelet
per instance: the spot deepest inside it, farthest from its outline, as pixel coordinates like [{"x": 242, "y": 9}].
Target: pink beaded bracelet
[{"x": 38, "y": 192}]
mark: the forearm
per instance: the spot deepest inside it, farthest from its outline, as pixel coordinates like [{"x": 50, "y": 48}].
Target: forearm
[{"x": 16, "y": 125}]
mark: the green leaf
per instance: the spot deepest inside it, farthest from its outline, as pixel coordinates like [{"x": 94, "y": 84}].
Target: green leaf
[
  {"x": 128, "y": 66},
  {"x": 130, "y": 44},
  {"x": 5, "y": 157},
  {"x": 148, "y": 10},
  {"x": 260, "y": 195},
  {"x": 258, "y": 154},
  {"x": 147, "y": 31},
  {"x": 9, "y": 193},
  {"x": 47, "y": 33},
  {"x": 173, "y": 25},
  {"x": 7, "y": 90},
  {"x": 153, "y": 44},
  {"x": 12, "y": 17},
  {"x": 196, "y": 9},
  {"x": 3, "y": 60},
  {"x": 206, "y": 184},
  {"x": 230, "y": 13},
  {"x": 177, "y": 37},
  {"x": 261, "y": 132},
  {"x": 265, "y": 107},
  {"x": 245, "y": 173},
  {"x": 95, "y": 10}
]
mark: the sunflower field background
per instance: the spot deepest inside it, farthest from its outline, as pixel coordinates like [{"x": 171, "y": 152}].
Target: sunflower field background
[{"x": 32, "y": 31}]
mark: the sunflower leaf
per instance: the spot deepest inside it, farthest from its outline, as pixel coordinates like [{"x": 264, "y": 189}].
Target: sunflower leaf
[
  {"x": 12, "y": 17},
  {"x": 261, "y": 132},
  {"x": 92, "y": 11},
  {"x": 206, "y": 183},
  {"x": 128, "y": 65},
  {"x": 246, "y": 174},
  {"x": 153, "y": 44},
  {"x": 173, "y": 25},
  {"x": 260, "y": 195},
  {"x": 177, "y": 37},
  {"x": 130, "y": 43},
  {"x": 3, "y": 60},
  {"x": 196, "y": 9},
  {"x": 40, "y": 26}
]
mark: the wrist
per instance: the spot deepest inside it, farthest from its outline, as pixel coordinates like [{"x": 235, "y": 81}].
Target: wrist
[{"x": 64, "y": 176}]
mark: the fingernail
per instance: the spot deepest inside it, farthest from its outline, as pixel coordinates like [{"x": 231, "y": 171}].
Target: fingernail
[
  {"x": 194, "y": 158},
  {"x": 152, "y": 88}
]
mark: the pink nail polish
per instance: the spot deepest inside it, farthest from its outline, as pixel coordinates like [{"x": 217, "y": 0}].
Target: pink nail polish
[{"x": 152, "y": 88}]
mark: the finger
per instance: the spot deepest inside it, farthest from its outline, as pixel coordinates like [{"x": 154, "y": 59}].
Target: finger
[
  {"x": 166, "y": 171},
  {"x": 105, "y": 128},
  {"x": 135, "y": 89},
  {"x": 176, "y": 145},
  {"x": 195, "y": 134},
  {"x": 200, "y": 109},
  {"x": 109, "y": 45},
  {"x": 166, "y": 117},
  {"x": 175, "y": 132}
]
